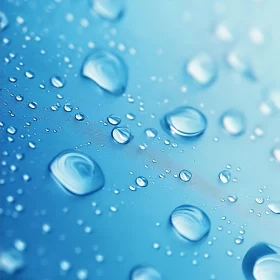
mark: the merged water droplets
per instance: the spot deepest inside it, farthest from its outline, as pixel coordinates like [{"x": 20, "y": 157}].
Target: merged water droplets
[
  {"x": 190, "y": 222},
  {"x": 122, "y": 135},
  {"x": 185, "y": 121},
  {"x": 77, "y": 172},
  {"x": 145, "y": 273},
  {"x": 234, "y": 122},
  {"x": 262, "y": 262},
  {"x": 107, "y": 71},
  {"x": 202, "y": 69},
  {"x": 108, "y": 9}
]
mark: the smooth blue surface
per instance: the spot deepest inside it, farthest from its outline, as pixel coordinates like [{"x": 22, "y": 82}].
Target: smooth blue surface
[{"x": 165, "y": 35}]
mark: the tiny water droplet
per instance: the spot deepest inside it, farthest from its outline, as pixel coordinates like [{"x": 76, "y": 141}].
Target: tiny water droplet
[
  {"x": 225, "y": 176},
  {"x": 122, "y": 135},
  {"x": 185, "y": 175},
  {"x": 107, "y": 70},
  {"x": 141, "y": 181},
  {"x": 77, "y": 172},
  {"x": 114, "y": 120},
  {"x": 144, "y": 273},
  {"x": 57, "y": 82},
  {"x": 185, "y": 121},
  {"x": 234, "y": 122},
  {"x": 109, "y": 9},
  {"x": 190, "y": 222}
]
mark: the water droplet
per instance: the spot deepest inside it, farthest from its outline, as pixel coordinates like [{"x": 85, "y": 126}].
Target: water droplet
[
  {"x": 271, "y": 97},
  {"x": 185, "y": 175},
  {"x": 107, "y": 71},
  {"x": 77, "y": 172},
  {"x": 239, "y": 240},
  {"x": 144, "y": 273},
  {"x": 82, "y": 274},
  {"x": 109, "y": 9},
  {"x": 274, "y": 207},
  {"x": 225, "y": 176},
  {"x": 141, "y": 181},
  {"x": 3, "y": 21},
  {"x": 185, "y": 121},
  {"x": 262, "y": 262},
  {"x": 151, "y": 132},
  {"x": 68, "y": 107},
  {"x": 20, "y": 245},
  {"x": 234, "y": 122},
  {"x": 202, "y": 69},
  {"x": 19, "y": 97},
  {"x": 114, "y": 120},
  {"x": 65, "y": 265},
  {"x": 11, "y": 130},
  {"x": 122, "y": 135},
  {"x": 29, "y": 74},
  {"x": 13, "y": 79},
  {"x": 57, "y": 82},
  {"x": 32, "y": 105},
  {"x": 79, "y": 117},
  {"x": 232, "y": 198},
  {"x": 11, "y": 261},
  {"x": 190, "y": 222},
  {"x": 275, "y": 152}
]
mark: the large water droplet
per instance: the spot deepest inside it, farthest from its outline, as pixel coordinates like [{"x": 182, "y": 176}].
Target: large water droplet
[
  {"x": 262, "y": 262},
  {"x": 202, "y": 69},
  {"x": 185, "y": 121},
  {"x": 234, "y": 122},
  {"x": 77, "y": 172},
  {"x": 274, "y": 206},
  {"x": 3, "y": 21},
  {"x": 275, "y": 152},
  {"x": 109, "y": 9},
  {"x": 121, "y": 135},
  {"x": 144, "y": 273},
  {"x": 11, "y": 261},
  {"x": 190, "y": 222},
  {"x": 107, "y": 71}
]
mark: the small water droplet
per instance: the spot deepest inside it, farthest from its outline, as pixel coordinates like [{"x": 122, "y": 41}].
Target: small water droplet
[
  {"x": 151, "y": 132},
  {"x": 3, "y": 21},
  {"x": 109, "y": 9},
  {"x": 114, "y": 120},
  {"x": 68, "y": 107},
  {"x": 29, "y": 74},
  {"x": 239, "y": 240},
  {"x": 144, "y": 273},
  {"x": 190, "y": 222},
  {"x": 77, "y": 172},
  {"x": 225, "y": 176},
  {"x": 185, "y": 175},
  {"x": 32, "y": 105},
  {"x": 234, "y": 122},
  {"x": 202, "y": 69},
  {"x": 275, "y": 152},
  {"x": 141, "y": 181},
  {"x": 65, "y": 265},
  {"x": 185, "y": 121},
  {"x": 107, "y": 70},
  {"x": 271, "y": 97},
  {"x": 57, "y": 82},
  {"x": 11, "y": 130},
  {"x": 232, "y": 198},
  {"x": 79, "y": 117},
  {"x": 122, "y": 135},
  {"x": 19, "y": 97}
]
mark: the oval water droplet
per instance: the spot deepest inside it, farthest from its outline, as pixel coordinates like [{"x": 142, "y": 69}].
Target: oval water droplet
[
  {"x": 141, "y": 181},
  {"x": 232, "y": 198},
  {"x": 29, "y": 74},
  {"x": 77, "y": 172},
  {"x": 68, "y": 107},
  {"x": 109, "y": 9},
  {"x": 185, "y": 121},
  {"x": 185, "y": 175},
  {"x": 274, "y": 207},
  {"x": 267, "y": 268},
  {"x": 107, "y": 70},
  {"x": 57, "y": 82},
  {"x": 202, "y": 69},
  {"x": 151, "y": 132},
  {"x": 234, "y": 122},
  {"x": 114, "y": 120},
  {"x": 225, "y": 176},
  {"x": 79, "y": 117},
  {"x": 190, "y": 222},
  {"x": 11, "y": 130},
  {"x": 122, "y": 135},
  {"x": 145, "y": 273},
  {"x": 275, "y": 152}
]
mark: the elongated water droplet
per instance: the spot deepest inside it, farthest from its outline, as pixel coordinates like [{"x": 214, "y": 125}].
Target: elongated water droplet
[
  {"x": 185, "y": 121},
  {"x": 144, "y": 273},
  {"x": 234, "y": 122},
  {"x": 262, "y": 262},
  {"x": 114, "y": 120},
  {"x": 185, "y": 175},
  {"x": 77, "y": 172},
  {"x": 109, "y": 9},
  {"x": 122, "y": 135},
  {"x": 190, "y": 222},
  {"x": 141, "y": 181},
  {"x": 57, "y": 82},
  {"x": 107, "y": 71},
  {"x": 225, "y": 176},
  {"x": 202, "y": 69},
  {"x": 274, "y": 207},
  {"x": 3, "y": 21}
]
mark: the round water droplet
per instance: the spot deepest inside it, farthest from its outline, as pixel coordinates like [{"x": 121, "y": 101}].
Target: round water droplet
[
  {"x": 267, "y": 268},
  {"x": 109, "y": 9},
  {"x": 144, "y": 273},
  {"x": 185, "y": 175},
  {"x": 274, "y": 207},
  {"x": 122, "y": 135},
  {"x": 239, "y": 240},
  {"x": 234, "y": 122},
  {"x": 57, "y": 82},
  {"x": 107, "y": 71},
  {"x": 3, "y": 21},
  {"x": 151, "y": 132},
  {"x": 225, "y": 176},
  {"x": 275, "y": 152},
  {"x": 79, "y": 117},
  {"x": 114, "y": 120},
  {"x": 232, "y": 198},
  {"x": 77, "y": 172},
  {"x": 141, "y": 181},
  {"x": 185, "y": 121},
  {"x": 68, "y": 107},
  {"x": 202, "y": 69},
  {"x": 190, "y": 222}
]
